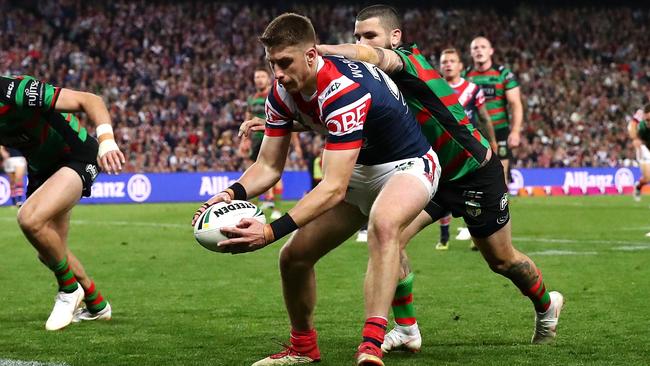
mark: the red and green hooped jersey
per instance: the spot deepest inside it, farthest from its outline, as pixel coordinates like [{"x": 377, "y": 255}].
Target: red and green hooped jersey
[
  {"x": 494, "y": 82},
  {"x": 256, "y": 107},
  {"x": 29, "y": 124},
  {"x": 460, "y": 147}
]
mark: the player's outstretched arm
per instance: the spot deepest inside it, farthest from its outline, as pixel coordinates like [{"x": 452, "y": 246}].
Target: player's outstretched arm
[
  {"x": 486, "y": 122},
  {"x": 259, "y": 177},
  {"x": 514, "y": 101},
  {"x": 109, "y": 156},
  {"x": 252, "y": 235},
  {"x": 387, "y": 60}
]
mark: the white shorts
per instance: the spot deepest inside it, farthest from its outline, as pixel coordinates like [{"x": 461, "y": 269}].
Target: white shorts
[
  {"x": 368, "y": 180},
  {"x": 14, "y": 162},
  {"x": 643, "y": 155}
]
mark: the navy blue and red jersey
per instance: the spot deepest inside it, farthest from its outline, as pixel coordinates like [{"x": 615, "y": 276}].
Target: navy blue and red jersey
[{"x": 357, "y": 106}]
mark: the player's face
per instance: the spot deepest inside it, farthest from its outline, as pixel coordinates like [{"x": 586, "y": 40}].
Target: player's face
[
  {"x": 450, "y": 65},
  {"x": 371, "y": 33},
  {"x": 261, "y": 79},
  {"x": 481, "y": 50},
  {"x": 293, "y": 66}
]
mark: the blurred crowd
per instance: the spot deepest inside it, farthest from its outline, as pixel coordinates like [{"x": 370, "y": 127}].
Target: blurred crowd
[{"x": 176, "y": 75}]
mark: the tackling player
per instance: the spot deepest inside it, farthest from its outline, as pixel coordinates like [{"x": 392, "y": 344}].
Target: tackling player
[
  {"x": 501, "y": 90},
  {"x": 639, "y": 132},
  {"x": 15, "y": 165},
  {"x": 471, "y": 97},
  {"x": 472, "y": 184},
  {"x": 376, "y": 166},
  {"x": 63, "y": 162}
]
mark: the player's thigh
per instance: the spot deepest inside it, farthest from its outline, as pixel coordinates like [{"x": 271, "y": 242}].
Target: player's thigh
[
  {"x": 55, "y": 197},
  {"x": 318, "y": 237},
  {"x": 402, "y": 198}
]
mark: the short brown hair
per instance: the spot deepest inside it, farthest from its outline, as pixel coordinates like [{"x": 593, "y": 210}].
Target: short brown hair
[
  {"x": 448, "y": 51},
  {"x": 289, "y": 29},
  {"x": 387, "y": 15}
]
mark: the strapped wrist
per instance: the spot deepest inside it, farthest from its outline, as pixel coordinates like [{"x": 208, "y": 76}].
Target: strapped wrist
[
  {"x": 282, "y": 227},
  {"x": 237, "y": 192}
]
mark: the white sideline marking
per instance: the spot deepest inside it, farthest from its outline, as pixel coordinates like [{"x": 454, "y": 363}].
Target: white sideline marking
[
  {"x": 116, "y": 223},
  {"x": 632, "y": 248},
  {"x": 561, "y": 252},
  {"x": 8, "y": 362},
  {"x": 576, "y": 241}
]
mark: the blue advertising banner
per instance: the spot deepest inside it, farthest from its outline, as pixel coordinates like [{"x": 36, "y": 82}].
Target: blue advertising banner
[
  {"x": 582, "y": 178},
  {"x": 169, "y": 187},
  {"x": 198, "y": 187}
]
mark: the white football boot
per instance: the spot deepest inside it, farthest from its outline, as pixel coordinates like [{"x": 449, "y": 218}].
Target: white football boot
[
  {"x": 362, "y": 236},
  {"x": 83, "y": 314},
  {"x": 65, "y": 305},
  {"x": 463, "y": 234},
  {"x": 546, "y": 323},
  {"x": 404, "y": 337}
]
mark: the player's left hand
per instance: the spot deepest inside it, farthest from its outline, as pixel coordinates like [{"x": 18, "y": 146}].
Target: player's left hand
[
  {"x": 251, "y": 125},
  {"x": 247, "y": 236},
  {"x": 111, "y": 162},
  {"x": 514, "y": 139}
]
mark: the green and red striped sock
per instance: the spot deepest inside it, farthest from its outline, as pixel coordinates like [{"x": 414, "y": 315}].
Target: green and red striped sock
[
  {"x": 403, "y": 308},
  {"x": 94, "y": 300},
  {"x": 538, "y": 295},
  {"x": 64, "y": 276}
]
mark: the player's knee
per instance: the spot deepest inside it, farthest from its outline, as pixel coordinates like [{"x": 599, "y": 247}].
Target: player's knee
[
  {"x": 385, "y": 232},
  {"x": 499, "y": 266},
  {"x": 291, "y": 260},
  {"x": 28, "y": 221}
]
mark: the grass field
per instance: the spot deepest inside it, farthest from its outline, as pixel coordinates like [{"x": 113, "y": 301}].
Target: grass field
[{"x": 174, "y": 303}]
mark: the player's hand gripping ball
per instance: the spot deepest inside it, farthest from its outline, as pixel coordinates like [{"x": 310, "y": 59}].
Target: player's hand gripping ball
[{"x": 207, "y": 228}]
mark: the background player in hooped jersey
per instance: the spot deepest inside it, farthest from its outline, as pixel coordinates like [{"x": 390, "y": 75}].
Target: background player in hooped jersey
[
  {"x": 501, "y": 90},
  {"x": 15, "y": 165},
  {"x": 62, "y": 165},
  {"x": 253, "y": 142},
  {"x": 471, "y": 97},
  {"x": 472, "y": 183},
  {"x": 639, "y": 132},
  {"x": 377, "y": 166}
]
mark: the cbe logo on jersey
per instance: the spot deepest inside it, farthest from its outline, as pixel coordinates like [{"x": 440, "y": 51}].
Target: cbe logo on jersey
[{"x": 349, "y": 118}]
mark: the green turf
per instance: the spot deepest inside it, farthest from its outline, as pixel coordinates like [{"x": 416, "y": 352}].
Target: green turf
[{"x": 177, "y": 304}]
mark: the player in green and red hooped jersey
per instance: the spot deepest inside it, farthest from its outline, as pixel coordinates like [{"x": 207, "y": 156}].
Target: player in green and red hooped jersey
[
  {"x": 639, "y": 131},
  {"x": 62, "y": 164},
  {"x": 501, "y": 90},
  {"x": 379, "y": 26}
]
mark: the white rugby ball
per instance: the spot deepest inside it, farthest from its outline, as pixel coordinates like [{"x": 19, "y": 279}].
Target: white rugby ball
[{"x": 207, "y": 229}]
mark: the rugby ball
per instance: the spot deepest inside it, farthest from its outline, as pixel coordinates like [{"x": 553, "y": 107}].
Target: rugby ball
[{"x": 207, "y": 229}]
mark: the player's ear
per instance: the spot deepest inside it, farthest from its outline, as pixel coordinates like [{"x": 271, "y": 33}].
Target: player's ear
[
  {"x": 395, "y": 37},
  {"x": 311, "y": 55}
]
